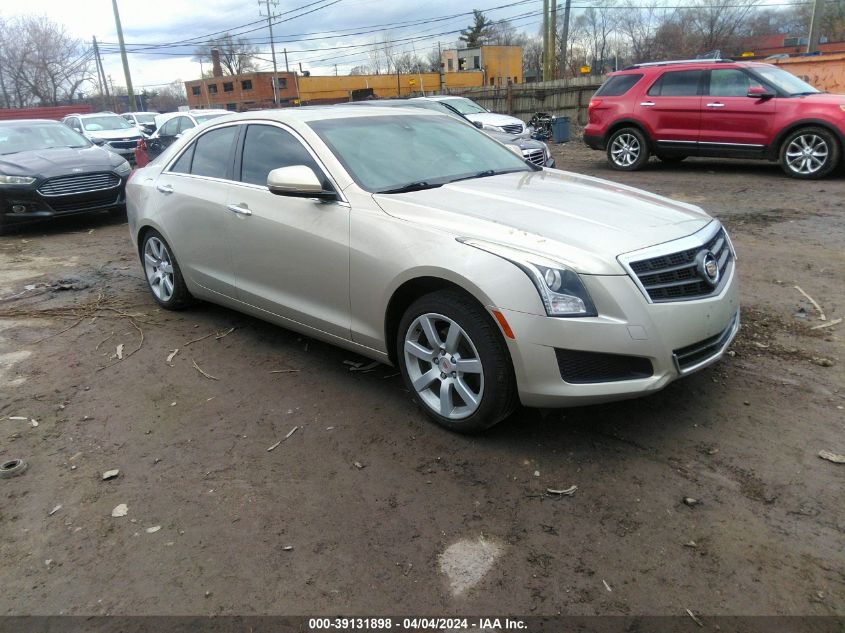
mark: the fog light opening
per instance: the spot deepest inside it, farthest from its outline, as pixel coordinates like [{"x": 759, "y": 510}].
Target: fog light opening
[{"x": 18, "y": 208}]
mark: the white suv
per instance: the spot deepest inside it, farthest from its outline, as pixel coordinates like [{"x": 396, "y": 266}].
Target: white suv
[{"x": 108, "y": 130}]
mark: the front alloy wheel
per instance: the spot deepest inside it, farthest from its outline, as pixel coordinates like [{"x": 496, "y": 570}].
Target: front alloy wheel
[
  {"x": 443, "y": 366},
  {"x": 627, "y": 150},
  {"x": 809, "y": 153},
  {"x": 454, "y": 359},
  {"x": 164, "y": 277}
]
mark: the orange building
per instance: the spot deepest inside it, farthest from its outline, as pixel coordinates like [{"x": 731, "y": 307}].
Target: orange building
[
  {"x": 825, "y": 72},
  {"x": 501, "y": 65}
]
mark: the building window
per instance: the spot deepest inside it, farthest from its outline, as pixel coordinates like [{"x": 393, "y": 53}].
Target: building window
[
  {"x": 246, "y": 84},
  {"x": 451, "y": 65},
  {"x": 232, "y": 106},
  {"x": 196, "y": 90},
  {"x": 227, "y": 86},
  {"x": 283, "y": 82},
  {"x": 212, "y": 89},
  {"x": 476, "y": 60},
  {"x": 492, "y": 81}
]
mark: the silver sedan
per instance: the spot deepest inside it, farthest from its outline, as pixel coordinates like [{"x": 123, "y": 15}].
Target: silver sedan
[{"x": 416, "y": 240}]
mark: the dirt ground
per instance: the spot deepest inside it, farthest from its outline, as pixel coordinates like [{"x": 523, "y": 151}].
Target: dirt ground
[{"x": 367, "y": 508}]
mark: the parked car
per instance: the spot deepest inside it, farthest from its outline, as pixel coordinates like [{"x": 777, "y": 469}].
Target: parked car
[
  {"x": 47, "y": 170},
  {"x": 410, "y": 238},
  {"x": 108, "y": 130},
  {"x": 170, "y": 127},
  {"x": 490, "y": 121},
  {"x": 144, "y": 121},
  {"x": 719, "y": 108},
  {"x": 536, "y": 152}
]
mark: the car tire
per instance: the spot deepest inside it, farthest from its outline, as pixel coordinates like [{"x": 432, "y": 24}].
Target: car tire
[
  {"x": 162, "y": 272},
  {"x": 464, "y": 380},
  {"x": 809, "y": 153},
  {"x": 627, "y": 149},
  {"x": 671, "y": 160}
]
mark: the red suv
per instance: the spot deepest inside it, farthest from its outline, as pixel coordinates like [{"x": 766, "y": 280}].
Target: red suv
[{"x": 718, "y": 108}]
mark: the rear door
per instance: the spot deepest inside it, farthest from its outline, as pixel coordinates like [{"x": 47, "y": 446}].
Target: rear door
[
  {"x": 672, "y": 108},
  {"x": 291, "y": 254},
  {"x": 730, "y": 120},
  {"x": 191, "y": 203}
]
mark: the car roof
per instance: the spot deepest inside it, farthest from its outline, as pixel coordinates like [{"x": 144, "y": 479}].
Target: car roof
[
  {"x": 688, "y": 64},
  {"x": 22, "y": 122},
  {"x": 317, "y": 113},
  {"x": 93, "y": 114}
]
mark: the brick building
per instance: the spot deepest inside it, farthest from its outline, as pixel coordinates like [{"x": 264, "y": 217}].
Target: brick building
[{"x": 247, "y": 91}]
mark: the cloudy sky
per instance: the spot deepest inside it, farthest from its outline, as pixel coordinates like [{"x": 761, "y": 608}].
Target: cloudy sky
[{"x": 164, "y": 33}]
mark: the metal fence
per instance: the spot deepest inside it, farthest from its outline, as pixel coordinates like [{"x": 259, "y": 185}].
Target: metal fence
[{"x": 561, "y": 97}]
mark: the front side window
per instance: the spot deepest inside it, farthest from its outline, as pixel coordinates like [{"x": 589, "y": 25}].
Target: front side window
[
  {"x": 171, "y": 128},
  {"x": 618, "y": 85},
  {"x": 681, "y": 83},
  {"x": 74, "y": 124},
  {"x": 267, "y": 148},
  {"x": 402, "y": 150},
  {"x": 213, "y": 153},
  {"x": 729, "y": 82}
]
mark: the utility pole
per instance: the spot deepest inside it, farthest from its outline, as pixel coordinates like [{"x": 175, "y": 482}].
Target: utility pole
[
  {"x": 129, "y": 90},
  {"x": 553, "y": 39},
  {"x": 546, "y": 40},
  {"x": 564, "y": 38},
  {"x": 287, "y": 68},
  {"x": 815, "y": 26},
  {"x": 97, "y": 63},
  {"x": 440, "y": 65},
  {"x": 272, "y": 48}
]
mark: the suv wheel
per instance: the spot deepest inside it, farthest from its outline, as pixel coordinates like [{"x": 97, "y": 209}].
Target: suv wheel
[
  {"x": 627, "y": 149},
  {"x": 452, "y": 356},
  {"x": 809, "y": 153}
]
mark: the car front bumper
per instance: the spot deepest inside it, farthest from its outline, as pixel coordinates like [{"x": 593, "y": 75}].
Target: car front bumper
[
  {"x": 675, "y": 338},
  {"x": 38, "y": 207}
]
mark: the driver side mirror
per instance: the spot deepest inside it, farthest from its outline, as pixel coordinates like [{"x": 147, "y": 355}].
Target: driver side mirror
[
  {"x": 297, "y": 181},
  {"x": 478, "y": 124},
  {"x": 98, "y": 141},
  {"x": 759, "y": 92}
]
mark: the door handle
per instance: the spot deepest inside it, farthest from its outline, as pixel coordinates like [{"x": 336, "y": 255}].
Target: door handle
[
  {"x": 236, "y": 208},
  {"x": 647, "y": 104},
  {"x": 165, "y": 188},
  {"x": 715, "y": 105}
]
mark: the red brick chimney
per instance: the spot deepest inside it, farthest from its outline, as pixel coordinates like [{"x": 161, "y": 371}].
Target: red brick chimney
[{"x": 216, "y": 69}]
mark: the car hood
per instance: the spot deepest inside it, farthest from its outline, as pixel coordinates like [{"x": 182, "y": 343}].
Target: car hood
[
  {"x": 490, "y": 118},
  {"x": 58, "y": 161},
  {"x": 515, "y": 139},
  {"x": 579, "y": 221},
  {"x": 111, "y": 135},
  {"x": 825, "y": 98}
]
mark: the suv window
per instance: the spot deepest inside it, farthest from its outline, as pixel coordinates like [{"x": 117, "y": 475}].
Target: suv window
[
  {"x": 170, "y": 128},
  {"x": 213, "y": 153},
  {"x": 74, "y": 124},
  {"x": 185, "y": 123},
  {"x": 618, "y": 85},
  {"x": 729, "y": 82},
  {"x": 681, "y": 83},
  {"x": 267, "y": 148}
]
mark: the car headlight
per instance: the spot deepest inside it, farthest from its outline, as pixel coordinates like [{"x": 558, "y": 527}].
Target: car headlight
[
  {"x": 123, "y": 169},
  {"x": 16, "y": 180},
  {"x": 561, "y": 289},
  {"x": 492, "y": 128}
]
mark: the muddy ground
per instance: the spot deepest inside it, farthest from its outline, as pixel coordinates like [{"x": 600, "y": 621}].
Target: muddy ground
[{"x": 302, "y": 529}]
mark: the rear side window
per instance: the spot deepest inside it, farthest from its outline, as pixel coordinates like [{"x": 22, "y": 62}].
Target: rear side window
[
  {"x": 681, "y": 83},
  {"x": 183, "y": 165},
  {"x": 267, "y": 148},
  {"x": 185, "y": 124},
  {"x": 213, "y": 153},
  {"x": 618, "y": 85}
]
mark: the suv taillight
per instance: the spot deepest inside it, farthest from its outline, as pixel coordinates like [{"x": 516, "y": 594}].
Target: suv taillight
[
  {"x": 594, "y": 103},
  {"x": 142, "y": 145}
]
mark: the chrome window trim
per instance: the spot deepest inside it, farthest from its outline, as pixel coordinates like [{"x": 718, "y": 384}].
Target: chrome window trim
[
  {"x": 244, "y": 122},
  {"x": 696, "y": 240}
]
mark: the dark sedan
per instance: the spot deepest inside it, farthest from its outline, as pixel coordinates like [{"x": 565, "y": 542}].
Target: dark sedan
[{"x": 47, "y": 170}]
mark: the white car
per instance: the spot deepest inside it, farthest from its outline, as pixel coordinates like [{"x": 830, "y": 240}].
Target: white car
[
  {"x": 108, "y": 130},
  {"x": 489, "y": 120},
  {"x": 416, "y": 240}
]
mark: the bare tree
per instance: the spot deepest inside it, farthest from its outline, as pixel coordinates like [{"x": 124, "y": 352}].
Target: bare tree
[
  {"x": 504, "y": 33},
  {"x": 532, "y": 56},
  {"x": 432, "y": 61},
  {"x": 41, "y": 63},
  {"x": 237, "y": 55},
  {"x": 168, "y": 98}
]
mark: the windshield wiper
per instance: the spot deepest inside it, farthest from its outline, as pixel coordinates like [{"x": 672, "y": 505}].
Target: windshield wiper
[
  {"x": 804, "y": 94},
  {"x": 485, "y": 174},
  {"x": 413, "y": 186}
]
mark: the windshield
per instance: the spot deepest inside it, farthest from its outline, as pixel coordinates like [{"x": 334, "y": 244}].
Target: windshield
[
  {"x": 438, "y": 106},
  {"x": 145, "y": 118},
  {"x": 465, "y": 106},
  {"x": 787, "y": 82},
  {"x": 202, "y": 118},
  {"x": 35, "y": 136},
  {"x": 385, "y": 153},
  {"x": 100, "y": 123}
]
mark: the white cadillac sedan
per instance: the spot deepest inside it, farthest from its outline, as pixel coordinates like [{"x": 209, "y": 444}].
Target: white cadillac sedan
[{"x": 416, "y": 240}]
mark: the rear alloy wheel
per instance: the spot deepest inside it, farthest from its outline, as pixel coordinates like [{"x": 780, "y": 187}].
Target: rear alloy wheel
[
  {"x": 164, "y": 277},
  {"x": 809, "y": 153},
  {"x": 453, "y": 358},
  {"x": 627, "y": 149}
]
